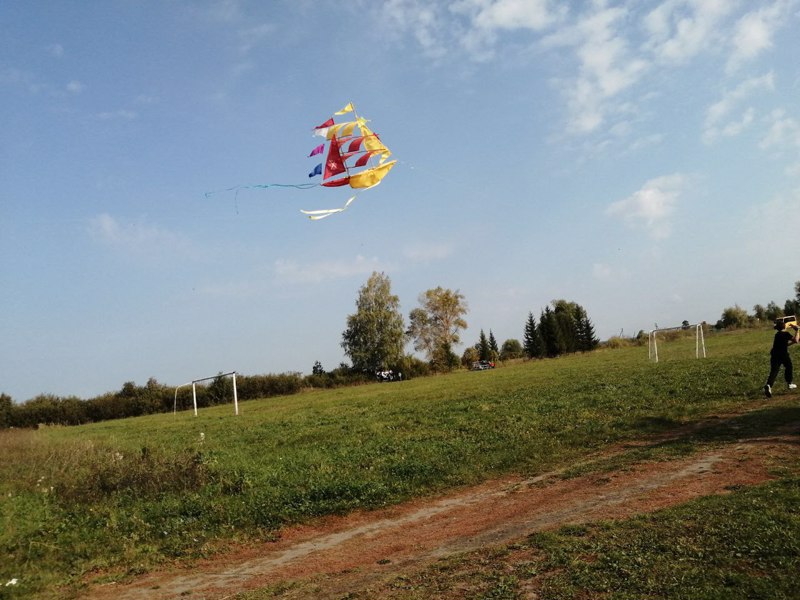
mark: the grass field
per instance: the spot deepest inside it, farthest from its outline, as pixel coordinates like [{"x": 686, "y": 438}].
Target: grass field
[{"x": 119, "y": 497}]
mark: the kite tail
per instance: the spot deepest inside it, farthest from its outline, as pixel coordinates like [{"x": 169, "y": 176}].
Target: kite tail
[
  {"x": 263, "y": 186},
  {"x": 316, "y": 215}
]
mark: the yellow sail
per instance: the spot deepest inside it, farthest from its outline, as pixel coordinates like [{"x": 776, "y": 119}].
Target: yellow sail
[
  {"x": 372, "y": 142},
  {"x": 371, "y": 177},
  {"x": 341, "y": 130}
]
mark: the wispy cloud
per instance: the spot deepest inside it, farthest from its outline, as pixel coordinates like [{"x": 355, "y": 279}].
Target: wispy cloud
[
  {"x": 75, "y": 87},
  {"x": 718, "y": 119},
  {"x": 421, "y": 19},
  {"x": 608, "y": 273},
  {"x": 783, "y": 132},
  {"x": 55, "y": 50},
  {"x": 681, "y": 29},
  {"x": 251, "y": 37},
  {"x": 754, "y": 31},
  {"x": 486, "y": 20},
  {"x": 443, "y": 28},
  {"x": 535, "y": 15},
  {"x": 611, "y": 58},
  {"x": 137, "y": 236},
  {"x": 32, "y": 84},
  {"x": 607, "y": 66},
  {"x": 652, "y": 205},
  {"x": 292, "y": 272}
]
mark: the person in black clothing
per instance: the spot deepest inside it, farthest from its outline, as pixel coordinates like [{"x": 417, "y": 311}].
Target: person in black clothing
[{"x": 779, "y": 355}]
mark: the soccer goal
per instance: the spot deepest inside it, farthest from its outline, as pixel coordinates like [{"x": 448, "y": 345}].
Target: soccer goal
[
  {"x": 194, "y": 383},
  {"x": 677, "y": 335}
]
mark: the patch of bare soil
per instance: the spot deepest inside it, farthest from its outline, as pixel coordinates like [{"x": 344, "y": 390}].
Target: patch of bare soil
[{"x": 364, "y": 549}]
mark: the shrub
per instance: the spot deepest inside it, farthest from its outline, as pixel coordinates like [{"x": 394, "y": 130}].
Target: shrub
[
  {"x": 263, "y": 386},
  {"x": 735, "y": 317},
  {"x": 104, "y": 472}
]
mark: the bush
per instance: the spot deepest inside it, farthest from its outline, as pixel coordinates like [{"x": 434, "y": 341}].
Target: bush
[
  {"x": 414, "y": 367},
  {"x": 735, "y": 317},
  {"x": 104, "y": 472},
  {"x": 511, "y": 349},
  {"x": 250, "y": 387}
]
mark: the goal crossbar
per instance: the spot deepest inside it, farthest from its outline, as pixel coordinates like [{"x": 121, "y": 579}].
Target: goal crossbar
[
  {"x": 699, "y": 340},
  {"x": 194, "y": 383}
]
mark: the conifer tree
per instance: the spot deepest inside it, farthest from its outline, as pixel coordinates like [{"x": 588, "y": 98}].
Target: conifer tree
[
  {"x": 550, "y": 331},
  {"x": 484, "y": 350},
  {"x": 532, "y": 339},
  {"x": 494, "y": 351},
  {"x": 586, "y": 338}
]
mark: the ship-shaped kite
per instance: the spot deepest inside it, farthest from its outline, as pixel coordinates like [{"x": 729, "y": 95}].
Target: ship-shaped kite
[{"x": 354, "y": 156}]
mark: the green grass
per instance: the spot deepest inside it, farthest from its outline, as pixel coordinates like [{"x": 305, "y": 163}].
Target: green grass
[{"x": 122, "y": 496}]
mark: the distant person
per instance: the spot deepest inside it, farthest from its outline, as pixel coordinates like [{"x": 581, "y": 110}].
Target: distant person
[{"x": 779, "y": 355}]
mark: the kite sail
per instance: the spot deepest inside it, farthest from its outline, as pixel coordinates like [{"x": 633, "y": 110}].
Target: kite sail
[{"x": 354, "y": 156}]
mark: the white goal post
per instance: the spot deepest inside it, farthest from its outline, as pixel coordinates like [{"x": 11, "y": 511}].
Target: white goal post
[
  {"x": 194, "y": 383},
  {"x": 699, "y": 340}
]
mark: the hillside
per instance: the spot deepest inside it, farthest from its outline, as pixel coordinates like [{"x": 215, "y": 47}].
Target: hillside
[{"x": 111, "y": 501}]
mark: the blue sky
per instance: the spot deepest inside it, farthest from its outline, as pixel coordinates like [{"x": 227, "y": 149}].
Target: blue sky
[{"x": 640, "y": 158}]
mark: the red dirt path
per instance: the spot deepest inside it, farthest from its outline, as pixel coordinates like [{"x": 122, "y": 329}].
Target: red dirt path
[{"x": 343, "y": 554}]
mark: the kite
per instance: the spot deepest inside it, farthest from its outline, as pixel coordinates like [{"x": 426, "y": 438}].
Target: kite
[{"x": 354, "y": 156}]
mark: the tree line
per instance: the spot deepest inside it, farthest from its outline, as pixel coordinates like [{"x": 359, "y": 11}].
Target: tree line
[
  {"x": 376, "y": 334},
  {"x": 737, "y": 317},
  {"x": 154, "y": 397},
  {"x": 374, "y": 340}
]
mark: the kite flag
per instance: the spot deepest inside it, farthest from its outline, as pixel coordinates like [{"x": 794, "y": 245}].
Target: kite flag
[
  {"x": 345, "y": 110},
  {"x": 355, "y": 156}
]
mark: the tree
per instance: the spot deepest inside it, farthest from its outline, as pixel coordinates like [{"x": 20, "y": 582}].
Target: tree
[
  {"x": 436, "y": 324},
  {"x": 735, "y": 316},
  {"x": 484, "y": 350},
  {"x": 550, "y": 331},
  {"x": 444, "y": 359},
  {"x": 470, "y": 356},
  {"x": 493, "y": 349},
  {"x": 511, "y": 349},
  {"x": 5, "y": 411},
  {"x": 567, "y": 316},
  {"x": 774, "y": 311},
  {"x": 584, "y": 332},
  {"x": 422, "y": 332},
  {"x": 532, "y": 340},
  {"x": 759, "y": 312},
  {"x": 374, "y": 336},
  {"x": 792, "y": 307},
  {"x": 317, "y": 369}
]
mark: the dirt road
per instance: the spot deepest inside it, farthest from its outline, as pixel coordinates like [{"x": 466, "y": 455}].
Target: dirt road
[{"x": 350, "y": 553}]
